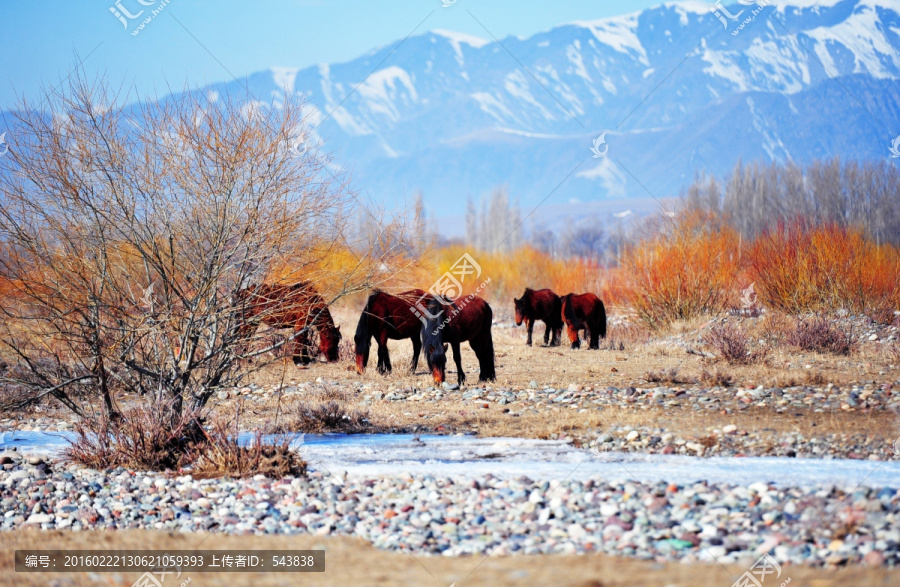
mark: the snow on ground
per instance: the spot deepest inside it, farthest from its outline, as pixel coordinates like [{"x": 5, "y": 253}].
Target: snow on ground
[{"x": 400, "y": 454}]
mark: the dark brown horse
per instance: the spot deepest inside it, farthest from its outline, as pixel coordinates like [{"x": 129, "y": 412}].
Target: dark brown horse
[
  {"x": 584, "y": 312},
  {"x": 467, "y": 319},
  {"x": 298, "y": 306},
  {"x": 387, "y": 317},
  {"x": 544, "y": 305}
]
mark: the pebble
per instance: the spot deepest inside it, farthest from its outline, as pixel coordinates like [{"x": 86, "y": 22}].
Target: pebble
[{"x": 464, "y": 516}]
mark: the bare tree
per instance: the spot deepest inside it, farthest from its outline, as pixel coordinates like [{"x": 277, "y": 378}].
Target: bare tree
[
  {"x": 129, "y": 235},
  {"x": 757, "y": 197},
  {"x": 586, "y": 239}
]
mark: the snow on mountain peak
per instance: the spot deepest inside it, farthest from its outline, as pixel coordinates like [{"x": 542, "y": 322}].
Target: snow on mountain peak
[
  {"x": 456, "y": 38},
  {"x": 619, "y": 32},
  {"x": 284, "y": 78}
]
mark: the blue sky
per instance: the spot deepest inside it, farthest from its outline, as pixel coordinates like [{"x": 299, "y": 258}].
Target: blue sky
[{"x": 200, "y": 41}]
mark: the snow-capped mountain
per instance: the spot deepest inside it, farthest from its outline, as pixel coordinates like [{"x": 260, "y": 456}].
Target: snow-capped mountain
[{"x": 678, "y": 88}]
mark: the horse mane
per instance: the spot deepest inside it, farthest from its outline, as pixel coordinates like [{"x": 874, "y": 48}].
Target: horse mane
[{"x": 362, "y": 329}]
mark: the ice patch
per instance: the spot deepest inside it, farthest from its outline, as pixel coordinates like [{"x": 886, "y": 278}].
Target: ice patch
[{"x": 468, "y": 456}]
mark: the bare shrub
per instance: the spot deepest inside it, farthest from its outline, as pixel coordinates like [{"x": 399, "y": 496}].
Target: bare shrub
[
  {"x": 144, "y": 438},
  {"x": 893, "y": 352},
  {"x": 330, "y": 416},
  {"x": 716, "y": 378},
  {"x": 129, "y": 237},
  {"x": 815, "y": 377},
  {"x": 731, "y": 343},
  {"x": 817, "y": 335},
  {"x": 222, "y": 455},
  {"x": 669, "y": 376}
]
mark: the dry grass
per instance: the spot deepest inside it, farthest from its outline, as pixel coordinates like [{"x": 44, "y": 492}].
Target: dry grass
[{"x": 351, "y": 561}]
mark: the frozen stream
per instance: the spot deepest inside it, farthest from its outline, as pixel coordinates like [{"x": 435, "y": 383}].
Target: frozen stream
[{"x": 396, "y": 454}]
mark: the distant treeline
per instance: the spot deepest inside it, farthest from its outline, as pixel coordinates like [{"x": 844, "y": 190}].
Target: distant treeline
[{"x": 757, "y": 197}]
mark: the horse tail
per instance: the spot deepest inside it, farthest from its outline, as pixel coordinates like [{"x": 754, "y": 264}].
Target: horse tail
[
  {"x": 602, "y": 319},
  {"x": 363, "y": 336}
]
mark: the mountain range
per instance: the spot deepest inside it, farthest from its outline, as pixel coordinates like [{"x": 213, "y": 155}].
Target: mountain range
[{"x": 678, "y": 89}]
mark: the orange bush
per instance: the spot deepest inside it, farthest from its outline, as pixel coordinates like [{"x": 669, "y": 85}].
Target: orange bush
[
  {"x": 686, "y": 270},
  {"x": 799, "y": 268}
]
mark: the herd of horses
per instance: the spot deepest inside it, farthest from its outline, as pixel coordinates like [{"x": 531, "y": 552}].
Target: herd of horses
[{"x": 442, "y": 324}]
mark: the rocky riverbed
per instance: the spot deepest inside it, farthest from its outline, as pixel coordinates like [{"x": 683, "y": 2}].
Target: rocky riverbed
[{"x": 487, "y": 515}]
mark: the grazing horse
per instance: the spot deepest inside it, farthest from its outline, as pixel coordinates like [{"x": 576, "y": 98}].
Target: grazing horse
[
  {"x": 386, "y": 317},
  {"x": 584, "y": 311},
  {"x": 298, "y": 306},
  {"x": 468, "y": 319},
  {"x": 544, "y": 305}
]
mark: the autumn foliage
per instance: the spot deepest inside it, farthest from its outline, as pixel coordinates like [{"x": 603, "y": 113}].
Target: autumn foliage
[
  {"x": 801, "y": 268},
  {"x": 689, "y": 268}
]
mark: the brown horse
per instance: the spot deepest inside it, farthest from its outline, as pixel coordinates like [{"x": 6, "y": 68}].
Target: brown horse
[
  {"x": 467, "y": 319},
  {"x": 584, "y": 312},
  {"x": 298, "y": 306},
  {"x": 544, "y": 305},
  {"x": 386, "y": 317}
]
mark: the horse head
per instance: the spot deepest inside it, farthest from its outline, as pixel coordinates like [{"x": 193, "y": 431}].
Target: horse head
[
  {"x": 330, "y": 343},
  {"x": 520, "y": 310},
  {"x": 433, "y": 341}
]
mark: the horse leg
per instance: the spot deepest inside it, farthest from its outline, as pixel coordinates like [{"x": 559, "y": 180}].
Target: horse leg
[
  {"x": 417, "y": 348},
  {"x": 384, "y": 360},
  {"x": 546, "y": 334},
  {"x": 387, "y": 355},
  {"x": 573, "y": 336},
  {"x": 300, "y": 349},
  {"x": 595, "y": 339},
  {"x": 557, "y": 335},
  {"x": 529, "y": 324},
  {"x": 457, "y": 358},
  {"x": 484, "y": 350}
]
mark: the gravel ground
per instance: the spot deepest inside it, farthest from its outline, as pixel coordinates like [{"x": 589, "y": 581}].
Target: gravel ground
[{"x": 443, "y": 516}]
